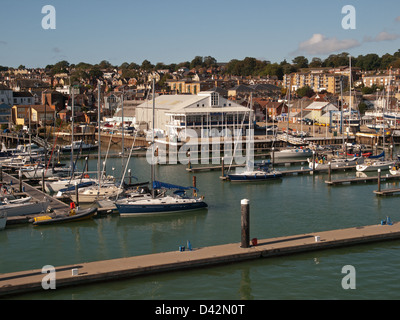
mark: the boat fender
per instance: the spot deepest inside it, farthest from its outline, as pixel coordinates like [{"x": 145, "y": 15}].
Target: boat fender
[{"x": 42, "y": 218}]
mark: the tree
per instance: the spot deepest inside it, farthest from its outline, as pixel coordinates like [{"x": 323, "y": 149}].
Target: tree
[
  {"x": 60, "y": 67},
  {"x": 196, "y": 62},
  {"x": 305, "y": 92},
  {"x": 316, "y": 63},
  {"x": 104, "y": 64},
  {"x": 209, "y": 62},
  {"x": 273, "y": 69},
  {"x": 146, "y": 65},
  {"x": 300, "y": 62}
]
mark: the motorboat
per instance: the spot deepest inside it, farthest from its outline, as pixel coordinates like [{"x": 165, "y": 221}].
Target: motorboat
[
  {"x": 293, "y": 153},
  {"x": 79, "y": 145},
  {"x": 78, "y": 215},
  {"x": 395, "y": 170},
  {"x": 368, "y": 166}
]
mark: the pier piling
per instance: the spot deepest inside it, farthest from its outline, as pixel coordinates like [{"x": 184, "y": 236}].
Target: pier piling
[
  {"x": 245, "y": 219},
  {"x": 20, "y": 180},
  {"x": 379, "y": 180}
]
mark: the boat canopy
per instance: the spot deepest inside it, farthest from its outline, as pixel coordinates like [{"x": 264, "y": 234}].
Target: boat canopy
[
  {"x": 159, "y": 185},
  {"x": 377, "y": 156}
]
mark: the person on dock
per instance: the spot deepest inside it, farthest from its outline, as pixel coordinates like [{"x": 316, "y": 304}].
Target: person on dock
[{"x": 72, "y": 210}]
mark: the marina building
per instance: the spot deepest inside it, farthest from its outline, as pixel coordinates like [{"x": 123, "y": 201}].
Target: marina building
[{"x": 207, "y": 113}]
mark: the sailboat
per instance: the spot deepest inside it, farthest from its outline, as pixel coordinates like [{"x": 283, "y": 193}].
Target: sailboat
[
  {"x": 262, "y": 173},
  {"x": 159, "y": 201}
]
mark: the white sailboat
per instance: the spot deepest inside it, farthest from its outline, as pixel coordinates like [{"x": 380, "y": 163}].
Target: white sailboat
[
  {"x": 369, "y": 166},
  {"x": 335, "y": 163}
]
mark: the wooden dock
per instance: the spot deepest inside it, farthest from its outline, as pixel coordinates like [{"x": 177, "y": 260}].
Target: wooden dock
[
  {"x": 122, "y": 268},
  {"x": 387, "y": 177},
  {"x": 387, "y": 192},
  {"x": 56, "y": 205}
]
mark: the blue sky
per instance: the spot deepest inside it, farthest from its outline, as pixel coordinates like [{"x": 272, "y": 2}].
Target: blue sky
[{"x": 174, "y": 31}]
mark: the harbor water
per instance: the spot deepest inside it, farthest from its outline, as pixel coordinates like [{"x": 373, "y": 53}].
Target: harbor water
[{"x": 290, "y": 206}]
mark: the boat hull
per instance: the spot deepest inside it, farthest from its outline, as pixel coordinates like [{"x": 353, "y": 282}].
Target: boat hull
[
  {"x": 79, "y": 216},
  {"x": 133, "y": 209},
  {"x": 298, "y": 153},
  {"x": 253, "y": 177},
  {"x": 23, "y": 209},
  {"x": 369, "y": 168}
]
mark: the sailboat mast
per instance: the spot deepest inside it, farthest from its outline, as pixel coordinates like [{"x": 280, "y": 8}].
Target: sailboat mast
[
  {"x": 350, "y": 101},
  {"x": 122, "y": 115},
  {"x": 72, "y": 131},
  {"x": 152, "y": 141},
  {"x": 99, "y": 137}
]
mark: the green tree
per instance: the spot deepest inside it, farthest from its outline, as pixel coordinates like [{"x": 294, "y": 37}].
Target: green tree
[
  {"x": 316, "y": 63},
  {"x": 300, "y": 62},
  {"x": 305, "y": 92},
  {"x": 60, "y": 67},
  {"x": 146, "y": 65},
  {"x": 196, "y": 62}
]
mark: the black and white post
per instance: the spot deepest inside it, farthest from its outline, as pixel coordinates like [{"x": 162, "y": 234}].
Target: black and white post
[{"x": 245, "y": 219}]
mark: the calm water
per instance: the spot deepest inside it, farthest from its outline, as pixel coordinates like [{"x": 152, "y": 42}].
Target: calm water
[{"x": 293, "y": 205}]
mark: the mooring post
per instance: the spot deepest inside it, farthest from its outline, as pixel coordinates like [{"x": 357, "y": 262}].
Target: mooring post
[
  {"x": 43, "y": 186},
  {"x": 379, "y": 180},
  {"x": 245, "y": 219},
  {"x": 20, "y": 180},
  {"x": 222, "y": 167},
  {"x": 391, "y": 152},
  {"x": 76, "y": 194},
  {"x": 194, "y": 181},
  {"x": 273, "y": 157},
  {"x": 329, "y": 171},
  {"x": 313, "y": 161},
  {"x": 130, "y": 176}
]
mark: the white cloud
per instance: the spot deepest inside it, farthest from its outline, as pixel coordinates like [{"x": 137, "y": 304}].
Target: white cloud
[
  {"x": 382, "y": 36},
  {"x": 320, "y": 44}
]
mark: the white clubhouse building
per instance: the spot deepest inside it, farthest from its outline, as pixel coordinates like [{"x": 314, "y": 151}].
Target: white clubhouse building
[{"x": 207, "y": 113}]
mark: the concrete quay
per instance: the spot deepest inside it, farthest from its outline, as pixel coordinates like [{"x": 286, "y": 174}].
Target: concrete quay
[{"x": 122, "y": 268}]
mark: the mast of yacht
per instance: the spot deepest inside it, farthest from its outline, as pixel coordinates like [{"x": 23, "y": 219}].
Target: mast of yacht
[
  {"x": 72, "y": 131},
  {"x": 99, "y": 137},
  {"x": 350, "y": 100},
  {"x": 152, "y": 143}
]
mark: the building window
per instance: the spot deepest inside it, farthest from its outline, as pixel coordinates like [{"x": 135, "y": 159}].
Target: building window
[{"x": 214, "y": 99}]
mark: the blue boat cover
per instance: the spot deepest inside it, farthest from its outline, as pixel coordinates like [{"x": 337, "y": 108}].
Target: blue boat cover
[
  {"x": 377, "y": 156},
  {"x": 159, "y": 185}
]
